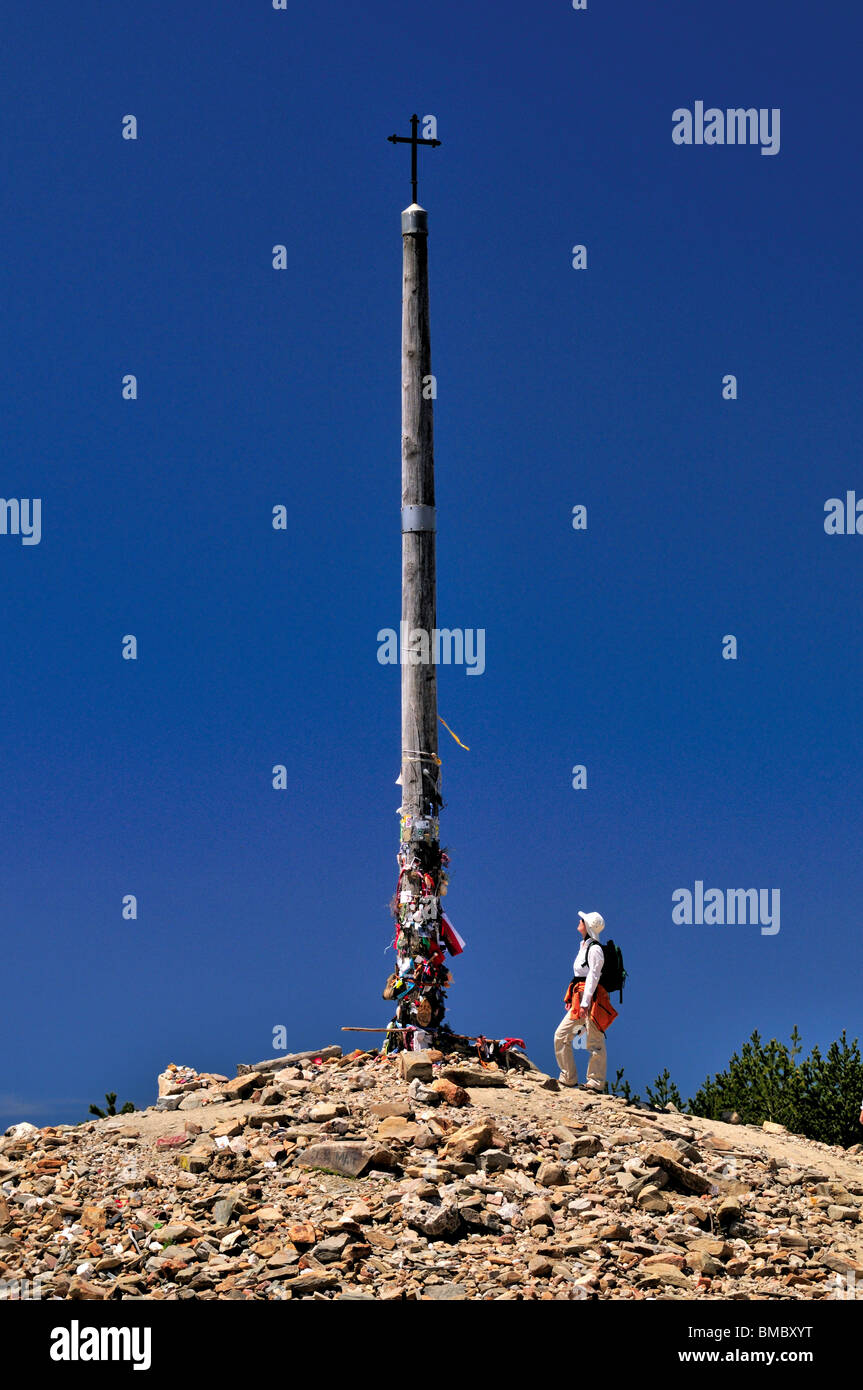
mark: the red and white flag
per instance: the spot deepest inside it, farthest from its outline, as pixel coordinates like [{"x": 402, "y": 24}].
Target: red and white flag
[{"x": 454, "y": 942}]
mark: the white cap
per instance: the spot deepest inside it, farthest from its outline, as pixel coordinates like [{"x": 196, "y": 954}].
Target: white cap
[{"x": 593, "y": 921}]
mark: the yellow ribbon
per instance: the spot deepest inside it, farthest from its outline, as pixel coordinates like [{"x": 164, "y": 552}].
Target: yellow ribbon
[{"x": 455, "y": 736}]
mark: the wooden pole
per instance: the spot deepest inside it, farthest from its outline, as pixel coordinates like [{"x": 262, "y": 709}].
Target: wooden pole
[
  {"x": 422, "y": 873},
  {"x": 419, "y": 771}
]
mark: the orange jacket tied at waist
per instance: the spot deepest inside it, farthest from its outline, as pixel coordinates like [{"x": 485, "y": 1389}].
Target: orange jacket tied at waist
[{"x": 600, "y": 1011}]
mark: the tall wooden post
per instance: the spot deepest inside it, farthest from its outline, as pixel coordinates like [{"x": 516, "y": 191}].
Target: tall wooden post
[
  {"x": 419, "y": 769},
  {"x": 420, "y": 979}
]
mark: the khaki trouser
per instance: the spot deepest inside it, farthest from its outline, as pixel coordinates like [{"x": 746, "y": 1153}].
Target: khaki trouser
[{"x": 563, "y": 1040}]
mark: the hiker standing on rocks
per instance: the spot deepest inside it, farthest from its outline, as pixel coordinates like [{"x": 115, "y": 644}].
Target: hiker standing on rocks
[{"x": 586, "y": 968}]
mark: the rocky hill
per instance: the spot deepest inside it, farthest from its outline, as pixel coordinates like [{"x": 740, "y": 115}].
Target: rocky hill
[{"x": 326, "y": 1176}]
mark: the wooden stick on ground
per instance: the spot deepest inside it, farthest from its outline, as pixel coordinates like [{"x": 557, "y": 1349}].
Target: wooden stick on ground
[{"x": 462, "y": 1037}]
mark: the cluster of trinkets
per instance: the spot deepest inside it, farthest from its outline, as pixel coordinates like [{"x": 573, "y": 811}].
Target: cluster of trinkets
[{"x": 423, "y": 937}]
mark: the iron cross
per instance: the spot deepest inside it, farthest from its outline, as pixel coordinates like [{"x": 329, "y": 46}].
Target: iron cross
[{"x": 413, "y": 140}]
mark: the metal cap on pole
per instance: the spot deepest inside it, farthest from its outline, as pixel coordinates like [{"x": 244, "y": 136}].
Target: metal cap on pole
[{"x": 415, "y": 220}]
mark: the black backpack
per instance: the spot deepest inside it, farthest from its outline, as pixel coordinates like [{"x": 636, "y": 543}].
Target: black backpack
[{"x": 613, "y": 970}]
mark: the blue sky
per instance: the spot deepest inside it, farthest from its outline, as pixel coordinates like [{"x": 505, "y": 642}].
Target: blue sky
[{"x": 257, "y": 907}]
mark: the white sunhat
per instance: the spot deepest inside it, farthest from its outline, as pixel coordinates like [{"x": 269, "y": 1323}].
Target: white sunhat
[{"x": 593, "y": 921}]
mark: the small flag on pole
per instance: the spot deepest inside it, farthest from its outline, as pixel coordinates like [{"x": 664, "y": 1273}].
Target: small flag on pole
[{"x": 454, "y": 942}]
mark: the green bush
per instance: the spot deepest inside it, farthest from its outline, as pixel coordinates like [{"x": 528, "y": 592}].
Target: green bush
[
  {"x": 663, "y": 1091},
  {"x": 111, "y": 1102},
  {"x": 832, "y": 1094},
  {"x": 619, "y": 1087},
  {"x": 819, "y": 1097}
]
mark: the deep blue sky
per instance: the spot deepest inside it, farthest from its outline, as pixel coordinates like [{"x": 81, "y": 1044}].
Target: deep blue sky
[{"x": 556, "y": 387}]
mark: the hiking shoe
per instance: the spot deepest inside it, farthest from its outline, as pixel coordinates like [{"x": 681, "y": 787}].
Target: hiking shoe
[{"x": 594, "y": 1086}]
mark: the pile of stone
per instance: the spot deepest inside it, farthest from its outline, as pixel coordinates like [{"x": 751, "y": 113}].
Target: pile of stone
[{"x": 325, "y": 1176}]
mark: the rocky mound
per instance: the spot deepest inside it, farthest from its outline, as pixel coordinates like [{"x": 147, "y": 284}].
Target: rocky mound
[{"x": 361, "y": 1177}]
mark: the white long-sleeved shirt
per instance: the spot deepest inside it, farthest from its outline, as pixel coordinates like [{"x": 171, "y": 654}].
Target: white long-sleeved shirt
[{"x": 590, "y": 974}]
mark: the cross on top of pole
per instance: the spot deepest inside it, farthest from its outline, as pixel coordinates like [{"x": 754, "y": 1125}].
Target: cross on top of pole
[{"x": 413, "y": 140}]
